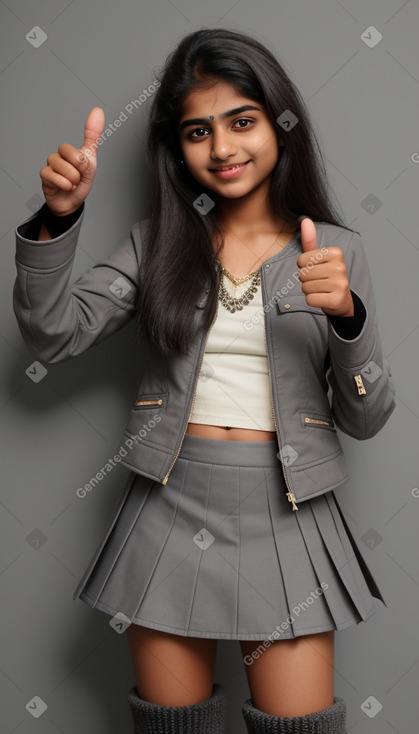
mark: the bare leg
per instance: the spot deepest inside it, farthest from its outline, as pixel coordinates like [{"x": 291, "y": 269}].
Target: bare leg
[
  {"x": 292, "y": 677},
  {"x": 171, "y": 670}
]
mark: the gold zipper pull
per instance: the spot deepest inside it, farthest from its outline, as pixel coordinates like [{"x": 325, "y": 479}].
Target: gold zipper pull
[
  {"x": 291, "y": 498},
  {"x": 360, "y": 385},
  {"x": 317, "y": 421},
  {"x": 149, "y": 402}
]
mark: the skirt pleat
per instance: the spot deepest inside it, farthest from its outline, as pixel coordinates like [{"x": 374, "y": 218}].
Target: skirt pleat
[{"x": 218, "y": 552}]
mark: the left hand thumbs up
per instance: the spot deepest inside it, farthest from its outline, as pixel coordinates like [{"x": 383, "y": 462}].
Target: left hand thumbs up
[{"x": 323, "y": 276}]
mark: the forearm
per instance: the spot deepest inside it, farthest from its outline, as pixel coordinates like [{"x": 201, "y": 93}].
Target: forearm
[
  {"x": 363, "y": 392},
  {"x": 59, "y": 319}
]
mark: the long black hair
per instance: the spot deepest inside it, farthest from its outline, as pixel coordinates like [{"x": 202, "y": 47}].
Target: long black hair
[{"x": 178, "y": 257}]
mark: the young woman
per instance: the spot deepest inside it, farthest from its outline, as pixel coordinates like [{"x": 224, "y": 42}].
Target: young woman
[{"x": 254, "y": 306}]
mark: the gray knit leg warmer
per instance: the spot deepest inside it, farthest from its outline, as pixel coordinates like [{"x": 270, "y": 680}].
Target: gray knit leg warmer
[
  {"x": 205, "y": 717},
  {"x": 327, "y": 721}
]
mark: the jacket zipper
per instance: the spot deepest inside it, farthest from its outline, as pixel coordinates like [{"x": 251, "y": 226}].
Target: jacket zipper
[
  {"x": 361, "y": 391},
  {"x": 190, "y": 410},
  {"x": 316, "y": 420},
  {"x": 360, "y": 385},
  {"x": 289, "y": 494},
  {"x": 149, "y": 402}
]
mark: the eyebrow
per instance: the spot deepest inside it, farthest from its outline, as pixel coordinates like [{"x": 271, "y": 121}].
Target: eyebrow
[{"x": 222, "y": 116}]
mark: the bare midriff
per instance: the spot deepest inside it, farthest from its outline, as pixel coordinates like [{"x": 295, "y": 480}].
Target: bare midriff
[{"x": 231, "y": 433}]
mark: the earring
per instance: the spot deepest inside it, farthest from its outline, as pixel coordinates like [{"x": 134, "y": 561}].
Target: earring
[{"x": 182, "y": 161}]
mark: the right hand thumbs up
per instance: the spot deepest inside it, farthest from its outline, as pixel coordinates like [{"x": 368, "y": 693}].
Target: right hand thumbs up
[
  {"x": 69, "y": 175},
  {"x": 93, "y": 129}
]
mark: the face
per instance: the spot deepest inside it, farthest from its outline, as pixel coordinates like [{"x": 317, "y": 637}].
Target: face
[{"x": 234, "y": 153}]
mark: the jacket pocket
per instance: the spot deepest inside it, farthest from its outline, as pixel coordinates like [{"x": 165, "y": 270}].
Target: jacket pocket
[
  {"x": 151, "y": 400},
  {"x": 310, "y": 419},
  {"x": 294, "y": 303}
]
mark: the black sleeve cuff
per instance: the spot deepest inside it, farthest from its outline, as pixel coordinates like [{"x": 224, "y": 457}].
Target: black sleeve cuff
[
  {"x": 349, "y": 327},
  {"x": 55, "y": 225}
]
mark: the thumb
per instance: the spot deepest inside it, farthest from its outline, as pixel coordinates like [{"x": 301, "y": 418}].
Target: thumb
[
  {"x": 308, "y": 235},
  {"x": 93, "y": 128}
]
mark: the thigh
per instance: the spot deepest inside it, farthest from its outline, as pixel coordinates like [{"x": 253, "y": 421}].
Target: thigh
[
  {"x": 171, "y": 670},
  {"x": 291, "y": 677}
]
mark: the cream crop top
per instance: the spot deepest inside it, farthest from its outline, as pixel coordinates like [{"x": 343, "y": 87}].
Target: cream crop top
[{"x": 233, "y": 384}]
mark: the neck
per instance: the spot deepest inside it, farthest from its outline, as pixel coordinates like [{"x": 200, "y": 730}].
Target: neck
[{"x": 249, "y": 214}]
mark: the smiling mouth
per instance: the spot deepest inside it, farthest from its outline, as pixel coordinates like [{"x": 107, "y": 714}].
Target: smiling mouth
[{"x": 229, "y": 168}]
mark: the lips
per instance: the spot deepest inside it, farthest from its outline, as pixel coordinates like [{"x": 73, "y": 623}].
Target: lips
[{"x": 231, "y": 167}]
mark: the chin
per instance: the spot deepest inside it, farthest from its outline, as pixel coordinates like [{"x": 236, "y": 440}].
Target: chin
[{"x": 230, "y": 191}]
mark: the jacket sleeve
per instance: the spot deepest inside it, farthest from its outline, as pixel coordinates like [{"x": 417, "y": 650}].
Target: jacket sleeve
[
  {"x": 59, "y": 319},
  {"x": 360, "y": 377}
]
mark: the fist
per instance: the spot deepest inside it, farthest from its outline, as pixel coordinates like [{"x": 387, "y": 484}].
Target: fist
[{"x": 323, "y": 276}]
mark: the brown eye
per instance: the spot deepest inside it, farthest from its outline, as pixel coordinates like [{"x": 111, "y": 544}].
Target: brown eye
[{"x": 198, "y": 129}]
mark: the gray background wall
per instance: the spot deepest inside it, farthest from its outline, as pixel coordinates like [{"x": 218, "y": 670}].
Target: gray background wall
[{"x": 57, "y": 433}]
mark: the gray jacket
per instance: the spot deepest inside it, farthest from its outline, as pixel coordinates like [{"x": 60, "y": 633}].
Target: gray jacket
[{"x": 319, "y": 380}]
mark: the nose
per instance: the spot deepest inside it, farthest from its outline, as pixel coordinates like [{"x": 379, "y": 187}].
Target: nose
[{"x": 222, "y": 146}]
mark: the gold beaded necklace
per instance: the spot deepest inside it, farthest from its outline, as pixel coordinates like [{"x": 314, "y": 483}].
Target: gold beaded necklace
[{"x": 236, "y": 304}]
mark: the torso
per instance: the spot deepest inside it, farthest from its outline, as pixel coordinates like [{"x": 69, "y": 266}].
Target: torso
[{"x": 240, "y": 261}]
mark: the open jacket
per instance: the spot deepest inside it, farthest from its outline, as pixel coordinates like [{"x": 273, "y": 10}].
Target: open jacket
[{"x": 319, "y": 380}]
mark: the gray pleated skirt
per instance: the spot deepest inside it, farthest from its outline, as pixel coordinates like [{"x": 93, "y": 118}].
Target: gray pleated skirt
[{"x": 218, "y": 551}]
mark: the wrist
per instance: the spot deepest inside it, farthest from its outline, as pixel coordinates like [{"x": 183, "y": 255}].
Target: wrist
[
  {"x": 347, "y": 315},
  {"x": 52, "y": 213},
  {"x": 347, "y": 312},
  {"x": 350, "y": 327},
  {"x": 56, "y": 224}
]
